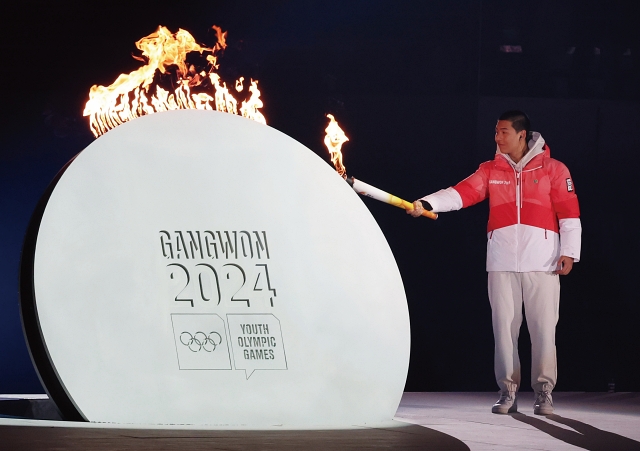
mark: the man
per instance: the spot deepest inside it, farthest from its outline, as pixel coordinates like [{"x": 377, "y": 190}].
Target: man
[{"x": 534, "y": 235}]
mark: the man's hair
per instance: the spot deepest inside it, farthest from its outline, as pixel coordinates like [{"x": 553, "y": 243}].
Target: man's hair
[{"x": 519, "y": 121}]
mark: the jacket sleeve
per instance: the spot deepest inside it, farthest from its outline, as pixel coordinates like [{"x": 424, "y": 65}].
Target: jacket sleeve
[
  {"x": 468, "y": 192},
  {"x": 567, "y": 209}
]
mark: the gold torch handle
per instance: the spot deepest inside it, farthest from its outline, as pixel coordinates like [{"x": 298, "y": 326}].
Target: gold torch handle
[{"x": 409, "y": 206}]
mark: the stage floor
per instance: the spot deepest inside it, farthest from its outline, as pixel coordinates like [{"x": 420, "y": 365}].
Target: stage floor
[
  {"x": 593, "y": 421},
  {"x": 438, "y": 421}
]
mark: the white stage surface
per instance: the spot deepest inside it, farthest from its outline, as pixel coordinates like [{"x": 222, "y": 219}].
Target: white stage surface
[{"x": 438, "y": 421}]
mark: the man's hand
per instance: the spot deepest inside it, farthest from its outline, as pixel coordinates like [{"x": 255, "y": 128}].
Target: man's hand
[
  {"x": 417, "y": 209},
  {"x": 564, "y": 265}
]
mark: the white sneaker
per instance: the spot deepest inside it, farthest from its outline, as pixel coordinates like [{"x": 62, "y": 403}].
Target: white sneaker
[
  {"x": 506, "y": 404},
  {"x": 543, "y": 404}
]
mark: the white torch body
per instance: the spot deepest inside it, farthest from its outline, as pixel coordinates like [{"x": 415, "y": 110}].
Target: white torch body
[{"x": 367, "y": 190}]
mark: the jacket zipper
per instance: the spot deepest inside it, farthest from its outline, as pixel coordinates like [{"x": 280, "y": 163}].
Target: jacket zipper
[
  {"x": 518, "y": 193},
  {"x": 518, "y": 201},
  {"x": 518, "y": 207}
]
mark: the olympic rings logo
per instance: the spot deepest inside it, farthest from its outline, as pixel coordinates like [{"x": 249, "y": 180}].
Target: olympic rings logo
[{"x": 201, "y": 341}]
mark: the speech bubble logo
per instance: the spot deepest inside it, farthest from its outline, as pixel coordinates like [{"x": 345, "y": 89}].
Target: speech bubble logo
[{"x": 256, "y": 342}]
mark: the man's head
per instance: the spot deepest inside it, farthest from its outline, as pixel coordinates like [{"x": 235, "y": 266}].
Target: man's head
[{"x": 512, "y": 131}]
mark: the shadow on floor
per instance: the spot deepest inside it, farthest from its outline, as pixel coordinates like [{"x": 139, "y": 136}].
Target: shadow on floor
[
  {"x": 409, "y": 437},
  {"x": 587, "y": 437}
]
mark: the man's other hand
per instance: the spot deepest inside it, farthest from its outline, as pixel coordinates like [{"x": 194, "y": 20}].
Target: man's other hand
[{"x": 564, "y": 265}]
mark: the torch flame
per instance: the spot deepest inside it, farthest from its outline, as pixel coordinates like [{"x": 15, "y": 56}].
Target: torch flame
[
  {"x": 334, "y": 139},
  {"x": 135, "y": 94}
]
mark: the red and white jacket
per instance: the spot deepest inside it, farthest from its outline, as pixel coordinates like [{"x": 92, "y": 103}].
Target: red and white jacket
[{"x": 533, "y": 209}]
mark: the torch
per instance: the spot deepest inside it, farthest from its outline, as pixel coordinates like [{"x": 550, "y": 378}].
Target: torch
[
  {"x": 334, "y": 139},
  {"x": 375, "y": 193}
]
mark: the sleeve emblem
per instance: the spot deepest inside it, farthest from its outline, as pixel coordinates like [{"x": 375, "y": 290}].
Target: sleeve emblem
[{"x": 570, "y": 185}]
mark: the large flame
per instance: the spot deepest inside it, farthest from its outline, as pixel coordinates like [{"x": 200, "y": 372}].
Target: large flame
[
  {"x": 334, "y": 139},
  {"x": 136, "y": 94}
]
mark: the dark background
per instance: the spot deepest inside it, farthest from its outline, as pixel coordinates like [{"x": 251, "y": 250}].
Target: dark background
[{"x": 417, "y": 86}]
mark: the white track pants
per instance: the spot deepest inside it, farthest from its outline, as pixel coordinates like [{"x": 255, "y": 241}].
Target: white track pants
[{"x": 540, "y": 294}]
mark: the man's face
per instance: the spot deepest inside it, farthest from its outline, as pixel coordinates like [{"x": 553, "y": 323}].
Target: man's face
[{"x": 507, "y": 138}]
